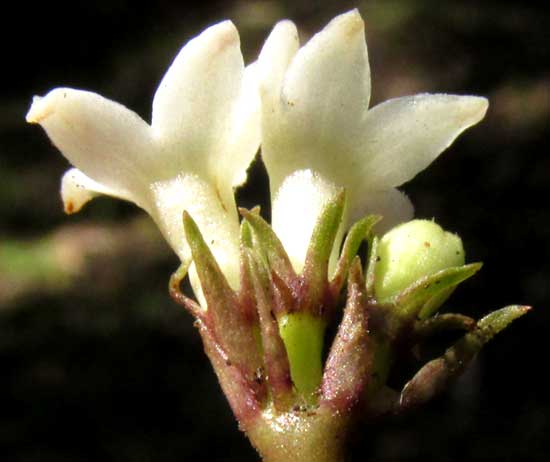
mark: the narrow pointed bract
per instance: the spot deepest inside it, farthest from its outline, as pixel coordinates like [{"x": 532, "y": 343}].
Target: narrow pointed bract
[
  {"x": 438, "y": 373},
  {"x": 224, "y": 317},
  {"x": 271, "y": 245},
  {"x": 277, "y": 371},
  {"x": 412, "y": 301},
  {"x": 357, "y": 234},
  {"x": 320, "y": 249}
]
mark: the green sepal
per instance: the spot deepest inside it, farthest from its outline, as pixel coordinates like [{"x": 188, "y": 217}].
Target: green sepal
[
  {"x": 410, "y": 303},
  {"x": 267, "y": 240},
  {"x": 275, "y": 356},
  {"x": 232, "y": 328},
  {"x": 359, "y": 231},
  {"x": 436, "y": 375},
  {"x": 303, "y": 335},
  {"x": 315, "y": 272}
]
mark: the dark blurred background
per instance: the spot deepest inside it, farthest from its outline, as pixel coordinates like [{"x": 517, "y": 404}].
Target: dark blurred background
[{"x": 98, "y": 364}]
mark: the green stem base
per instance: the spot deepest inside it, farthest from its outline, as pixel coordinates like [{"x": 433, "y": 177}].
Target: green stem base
[{"x": 300, "y": 436}]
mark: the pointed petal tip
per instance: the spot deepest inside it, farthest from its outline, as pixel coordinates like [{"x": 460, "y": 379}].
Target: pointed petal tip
[
  {"x": 39, "y": 110},
  {"x": 226, "y": 28},
  {"x": 44, "y": 106},
  {"x": 221, "y": 36},
  {"x": 282, "y": 40},
  {"x": 212, "y": 41},
  {"x": 279, "y": 49},
  {"x": 77, "y": 190},
  {"x": 74, "y": 198},
  {"x": 73, "y": 194},
  {"x": 348, "y": 24},
  {"x": 475, "y": 107},
  {"x": 285, "y": 26}
]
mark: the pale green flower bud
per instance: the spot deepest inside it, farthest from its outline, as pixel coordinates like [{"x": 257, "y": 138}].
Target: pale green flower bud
[{"x": 411, "y": 251}]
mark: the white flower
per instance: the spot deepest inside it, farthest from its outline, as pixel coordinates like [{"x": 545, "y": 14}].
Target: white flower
[
  {"x": 318, "y": 136},
  {"x": 205, "y": 131}
]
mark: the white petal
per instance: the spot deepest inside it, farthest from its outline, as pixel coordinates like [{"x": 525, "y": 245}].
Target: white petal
[
  {"x": 325, "y": 96},
  {"x": 393, "y": 205},
  {"x": 193, "y": 105},
  {"x": 275, "y": 57},
  {"x": 404, "y": 135},
  {"x": 295, "y": 210},
  {"x": 244, "y": 138},
  {"x": 103, "y": 139},
  {"x": 77, "y": 189},
  {"x": 245, "y": 135},
  {"x": 218, "y": 225}
]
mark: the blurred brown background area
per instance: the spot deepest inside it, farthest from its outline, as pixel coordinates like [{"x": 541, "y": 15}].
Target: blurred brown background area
[{"x": 98, "y": 364}]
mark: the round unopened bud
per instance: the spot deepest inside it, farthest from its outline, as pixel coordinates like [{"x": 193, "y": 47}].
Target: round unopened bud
[{"x": 411, "y": 251}]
